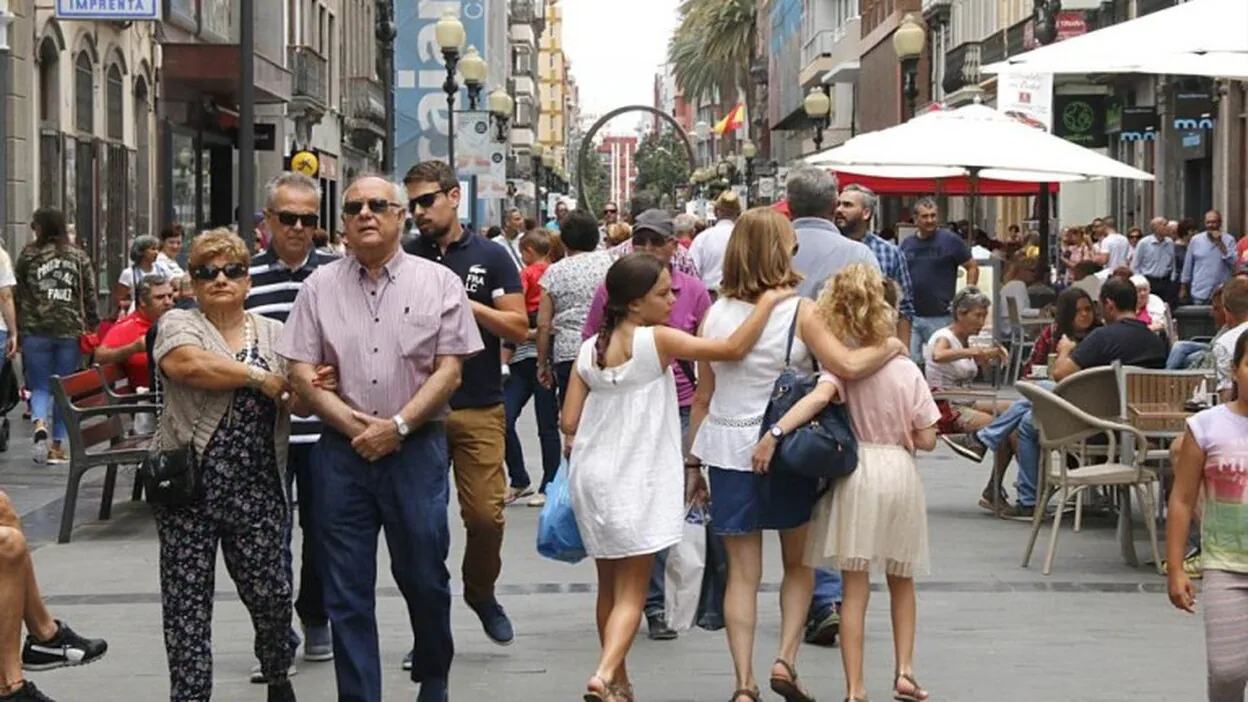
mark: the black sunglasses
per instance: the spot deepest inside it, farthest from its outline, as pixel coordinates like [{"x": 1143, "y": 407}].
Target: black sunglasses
[
  {"x": 288, "y": 219},
  {"x": 376, "y": 205},
  {"x": 425, "y": 201},
  {"x": 233, "y": 271},
  {"x": 610, "y": 210}
]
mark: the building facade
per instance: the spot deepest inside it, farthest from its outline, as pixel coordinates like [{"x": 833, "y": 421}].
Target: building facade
[
  {"x": 618, "y": 154},
  {"x": 364, "y": 76},
  {"x": 552, "y": 84},
  {"x": 526, "y": 23}
]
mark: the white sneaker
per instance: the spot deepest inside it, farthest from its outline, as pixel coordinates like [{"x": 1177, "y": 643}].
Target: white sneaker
[
  {"x": 257, "y": 675},
  {"x": 40, "y": 451}
]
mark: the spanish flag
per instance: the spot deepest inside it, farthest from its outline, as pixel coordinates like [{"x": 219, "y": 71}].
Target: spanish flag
[{"x": 731, "y": 121}]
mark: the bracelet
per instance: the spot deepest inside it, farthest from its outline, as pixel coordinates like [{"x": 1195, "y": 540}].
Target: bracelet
[{"x": 255, "y": 377}]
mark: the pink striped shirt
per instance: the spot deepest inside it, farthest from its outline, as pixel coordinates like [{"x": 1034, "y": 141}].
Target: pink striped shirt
[{"x": 382, "y": 335}]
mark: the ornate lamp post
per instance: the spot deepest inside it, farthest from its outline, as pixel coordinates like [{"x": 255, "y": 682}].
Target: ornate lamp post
[
  {"x": 473, "y": 68},
  {"x": 750, "y": 152},
  {"x": 818, "y": 107},
  {"x": 449, "y": 33},
  {"x": 385, "y": 33},
  {"x": 908, "y": 43},
  {"x": 703, "y": 131},
  {"x": 501, "y": 107}
]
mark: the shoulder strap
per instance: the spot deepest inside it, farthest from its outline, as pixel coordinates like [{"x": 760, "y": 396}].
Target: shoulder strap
[
  {"x": 687, "y": 368},
  {"x": 788, "y": 350}
]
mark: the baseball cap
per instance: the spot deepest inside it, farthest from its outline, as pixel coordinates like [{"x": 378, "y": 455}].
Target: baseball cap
[{"x": 656, "y": 221}]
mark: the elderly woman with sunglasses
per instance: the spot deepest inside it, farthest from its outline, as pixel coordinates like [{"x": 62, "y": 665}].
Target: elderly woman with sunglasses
[{"x": 225, "y": 394}]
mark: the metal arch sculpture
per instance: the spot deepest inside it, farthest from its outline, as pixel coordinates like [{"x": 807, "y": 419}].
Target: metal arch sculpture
[{"x": 588, "y": 141}]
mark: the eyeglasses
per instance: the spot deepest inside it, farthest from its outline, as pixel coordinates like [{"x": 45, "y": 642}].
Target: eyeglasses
[
  {"x": 233, "y": 271},
  {"x": 376, "y": 205},
  {"x": 610, "y": 210},
  {"x": 288, "y": 219},
  {"x": 424, "y": 201}
]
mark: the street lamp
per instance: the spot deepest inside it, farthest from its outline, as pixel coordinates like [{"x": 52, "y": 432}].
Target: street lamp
[
  {"x": 473, "y": 68},
  {"x": 449, "y": 33},
  {"x": 749, "y": 151},
  {"x": 908, "y": 43},
  {"x": 501, "y": 107},
  {"x": 385, "y": 33},
  {"x": 537, "y": 151},
  {"x": 818, "y": 108}
]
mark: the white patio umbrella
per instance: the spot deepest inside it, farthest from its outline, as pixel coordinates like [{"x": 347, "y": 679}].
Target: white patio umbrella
[
  {"x": 976, "y": 141},
  {"x": 1197, "y": 38}
]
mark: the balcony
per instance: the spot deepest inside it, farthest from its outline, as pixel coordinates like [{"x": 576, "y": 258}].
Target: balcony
[
  {"x": 936, "y": 8},
  {"x": 522, "y": 34},
  {"x": 827, "y": 48},
  {"x": 961, "y": 68},
  {"x": 365, "y": 110},
  {"x": 310, "y": 72}
]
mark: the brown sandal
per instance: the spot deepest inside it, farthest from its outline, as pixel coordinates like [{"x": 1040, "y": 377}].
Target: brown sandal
[
  {"x": 919, "y": 694},
  {"x": 751, "y": 693},
  {"x": 788, "y": 687},
  {"x": 592, "y": 695}
]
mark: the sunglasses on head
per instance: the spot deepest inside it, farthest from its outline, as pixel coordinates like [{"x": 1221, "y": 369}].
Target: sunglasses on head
[
  {"x": 288, "y": 219},
  {"x": 233, "y": 271},
  {"x": 376, "y": 205},
  {"x": 424, "y": 201}
]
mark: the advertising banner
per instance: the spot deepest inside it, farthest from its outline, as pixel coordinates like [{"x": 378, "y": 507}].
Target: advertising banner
[{"x": 1027, "y": 97}]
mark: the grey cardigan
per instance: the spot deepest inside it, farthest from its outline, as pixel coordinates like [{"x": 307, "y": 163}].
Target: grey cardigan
[{"x": 191, "y": 414}]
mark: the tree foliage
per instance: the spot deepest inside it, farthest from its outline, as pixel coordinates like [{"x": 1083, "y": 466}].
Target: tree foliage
[
  {"x": 596, "y": 180},
  {"x": 711, "y": 49},
  {"x": 662, "y": 164}
]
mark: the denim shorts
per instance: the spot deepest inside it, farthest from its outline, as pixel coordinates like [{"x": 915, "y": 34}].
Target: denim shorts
[{"x": 743, "y": 502}]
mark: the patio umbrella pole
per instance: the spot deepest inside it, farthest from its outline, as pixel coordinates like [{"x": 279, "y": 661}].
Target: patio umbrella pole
[{"x": 1043, "y": 224}]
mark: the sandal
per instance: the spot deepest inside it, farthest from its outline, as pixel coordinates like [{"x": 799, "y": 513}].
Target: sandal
[
  {"x": 919, "y": 694},
  {"x": 592, "y": 695},
  {"x": 788, "y": 687},
  {"x": 751, "y": 693},
  {"x": 857, "y": 699}
]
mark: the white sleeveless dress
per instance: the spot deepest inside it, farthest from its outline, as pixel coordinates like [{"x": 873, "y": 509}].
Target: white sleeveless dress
[{"x": 626, "y": 473}]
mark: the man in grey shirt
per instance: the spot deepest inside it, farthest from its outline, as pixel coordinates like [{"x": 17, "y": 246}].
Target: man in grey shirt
[{"x": 822, "y": 251}]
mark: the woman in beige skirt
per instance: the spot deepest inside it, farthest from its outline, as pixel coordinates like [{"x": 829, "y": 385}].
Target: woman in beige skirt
[{"x": 875, "y": 518}]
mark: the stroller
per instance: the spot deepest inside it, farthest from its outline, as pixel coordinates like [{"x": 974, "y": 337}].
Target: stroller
[{"x": 10, "y": 396}]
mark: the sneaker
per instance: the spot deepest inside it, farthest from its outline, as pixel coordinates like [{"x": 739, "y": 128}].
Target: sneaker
[
  {"x": 26, "y": 693},
  {"x": 407, "y": 660},
  {"x": 66, "y": 648},
  {"x": 658, "y": 628},
  {"x": 318, "y": 644},
  {"x": 515, "y": 493},
  {"x": 538, "y": 500},
  {"x": 40, "y": 452},
  {"x": 495, "y": 622},
  {"x": 823, "y": 630},
  {"x": 966, "y": 445},
  {"x": 282, "y": 692},
  {"x": 57, "y": 455},
  {"x": 257, "y": 675}
]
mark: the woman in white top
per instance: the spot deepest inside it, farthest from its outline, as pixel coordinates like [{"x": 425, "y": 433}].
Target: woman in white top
[
  {"x": 144, "y": 261},
  {"x": 727, "y": 421},
  {"x": 1152, "y": 310},
  {"x": 622, "y": 422}
]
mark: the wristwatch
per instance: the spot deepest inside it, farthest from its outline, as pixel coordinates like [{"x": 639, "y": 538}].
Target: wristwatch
[
  {"x": 776, "y": 431},
  {"x": 401, "y": 426}
]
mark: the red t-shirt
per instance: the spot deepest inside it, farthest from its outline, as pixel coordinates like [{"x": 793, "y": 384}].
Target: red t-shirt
[
  {"x": 1242, "y": 249},
  {"x": 126, "y": 331},
  {"x": 530, "y": 278}
]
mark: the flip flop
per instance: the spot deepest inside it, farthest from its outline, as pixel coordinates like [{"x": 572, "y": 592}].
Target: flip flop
[
  {"x": 919, "y": 694},
  {"x": 787, "y": 687}
]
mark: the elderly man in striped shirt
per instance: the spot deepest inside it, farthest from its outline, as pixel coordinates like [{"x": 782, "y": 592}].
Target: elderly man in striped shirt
[{"x": 291, "y": 215}]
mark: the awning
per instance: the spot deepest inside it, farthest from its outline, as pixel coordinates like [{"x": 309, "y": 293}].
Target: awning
[{"x": 190, "y": 71}]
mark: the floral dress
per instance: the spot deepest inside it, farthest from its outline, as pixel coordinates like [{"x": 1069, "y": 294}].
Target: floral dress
[{"x": 245, "y": 510}]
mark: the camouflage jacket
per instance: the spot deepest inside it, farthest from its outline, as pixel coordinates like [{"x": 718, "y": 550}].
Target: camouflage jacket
[{"x": 56, "y": 292}]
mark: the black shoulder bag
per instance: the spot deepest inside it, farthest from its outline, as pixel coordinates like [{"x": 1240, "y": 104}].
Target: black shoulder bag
[
  {"x": 172, "y": 477},
  {"x": 825, "y": 447}
]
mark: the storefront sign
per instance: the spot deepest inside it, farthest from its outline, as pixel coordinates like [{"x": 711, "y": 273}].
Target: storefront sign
[
  {"x": 305, "y": 162},
  {"x": 329, "y": 167},
  {"x": 1139, "y": 124},
  {"x": 1193, "y": 110},
  {"x": 108, "y": 10},
  {"x": 1027, "y": 97},
  {"x": 1080, "y": 119}
]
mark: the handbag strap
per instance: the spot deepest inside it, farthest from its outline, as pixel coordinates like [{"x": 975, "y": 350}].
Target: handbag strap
[{"x": 788, "y": 349}]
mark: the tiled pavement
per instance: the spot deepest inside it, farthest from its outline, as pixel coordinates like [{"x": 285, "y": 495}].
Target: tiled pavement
[{"x": 1095, "y": 630}]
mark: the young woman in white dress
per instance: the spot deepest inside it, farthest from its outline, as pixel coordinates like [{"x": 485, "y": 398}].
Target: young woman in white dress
[{"x": 625, "y": 469}]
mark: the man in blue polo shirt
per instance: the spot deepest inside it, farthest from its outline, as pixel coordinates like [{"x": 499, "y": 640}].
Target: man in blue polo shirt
[
  {"x": 476, "y": 427},
  {"x": 933, "y": 256}
]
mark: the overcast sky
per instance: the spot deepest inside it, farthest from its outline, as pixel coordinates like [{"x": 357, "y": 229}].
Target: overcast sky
[{"x": 616, "y": 47}]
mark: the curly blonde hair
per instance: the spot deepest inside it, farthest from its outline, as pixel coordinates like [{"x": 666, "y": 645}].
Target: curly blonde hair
[{"x": 854, "y": 305}]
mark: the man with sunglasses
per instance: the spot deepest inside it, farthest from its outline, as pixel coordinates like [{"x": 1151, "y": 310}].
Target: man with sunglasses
[
  {"x": 610, "y": 215},
  {"x": 291, "y": 215},
  {"x": 476, "y": 428}
]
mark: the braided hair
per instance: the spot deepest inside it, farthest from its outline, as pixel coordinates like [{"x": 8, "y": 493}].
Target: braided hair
[{"x": 628, "y": 280}]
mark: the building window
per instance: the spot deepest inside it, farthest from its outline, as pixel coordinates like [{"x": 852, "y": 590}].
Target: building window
[
  {"x": 49, "y": 82},
  {"x": 142, "y": 158},
  {"x": 84, "y": 94},
  {"x": 114, "y": 110}
]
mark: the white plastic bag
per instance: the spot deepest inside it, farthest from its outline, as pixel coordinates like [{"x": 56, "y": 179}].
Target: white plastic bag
[{"x": 686, "y": 562}]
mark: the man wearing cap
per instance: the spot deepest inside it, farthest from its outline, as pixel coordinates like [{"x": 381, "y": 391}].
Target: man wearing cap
[{"x": 654, "y": 232}]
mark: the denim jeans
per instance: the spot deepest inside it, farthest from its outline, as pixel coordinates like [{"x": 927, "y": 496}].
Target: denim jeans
[
  {"x": 921, "y": 329},
  {"x": 656, "y": 605},
  {"x": 42, "y": 358},
  {"x": 1018, "y": 418},
  {"x": 310, "y": 603},
  {"x": 520, "y": 386},
  {"x": 1183, "y": 354},
  {"x": 827, "y": 593}
]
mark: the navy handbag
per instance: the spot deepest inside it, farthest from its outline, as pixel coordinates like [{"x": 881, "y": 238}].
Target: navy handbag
[{"x": 825, "y": 448}]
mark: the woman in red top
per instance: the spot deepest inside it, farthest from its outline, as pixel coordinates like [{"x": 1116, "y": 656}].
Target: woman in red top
[{"x": 1075, "y": 317}]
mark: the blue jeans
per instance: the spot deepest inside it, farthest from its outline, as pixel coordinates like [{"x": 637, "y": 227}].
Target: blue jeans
[
  {"x": 520, "y": 386},
  {"x": 310, "y": 604},
  {"x": 1183, "y": 354},
  {"x": 405, "y": 493},
  {"x": 921, "y": 329},
  {"x": 656, "y": 604},
  {"x": 827, "y": 593},
  {"x": 42, "y": 358},
  {"x": 1018, "y": 418}
]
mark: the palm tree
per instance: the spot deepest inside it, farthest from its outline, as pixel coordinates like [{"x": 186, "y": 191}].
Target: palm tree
[{"x": 711, "y": 50}]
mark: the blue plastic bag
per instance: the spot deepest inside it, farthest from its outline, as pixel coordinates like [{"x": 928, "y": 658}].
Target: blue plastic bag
[{"x": 558, "y": 537}]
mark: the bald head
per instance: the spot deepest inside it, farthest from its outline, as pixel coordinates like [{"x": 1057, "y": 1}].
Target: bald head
[{"x": 1159, "y": 225}]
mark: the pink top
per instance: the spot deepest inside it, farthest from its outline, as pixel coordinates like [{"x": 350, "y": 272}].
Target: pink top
[
  {"x": 887, "y": 407},
  {"x": 382, "y": 335}
]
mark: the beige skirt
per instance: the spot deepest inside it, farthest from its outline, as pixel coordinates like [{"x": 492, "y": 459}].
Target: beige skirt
[{"x": 876, "y": 518}]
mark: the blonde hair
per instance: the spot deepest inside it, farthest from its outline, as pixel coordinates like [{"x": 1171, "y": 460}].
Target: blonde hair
[
  {"x": 759, "y": 256},
  {"x": 854, "y": 306},
  {"x": 218, "y": 243},
  {"x": 618, "y": 233},
  {"x": 728, "y": 205}
]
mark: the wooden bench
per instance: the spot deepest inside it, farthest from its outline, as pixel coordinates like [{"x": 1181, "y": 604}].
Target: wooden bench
[{"x": 92, "y": 411}]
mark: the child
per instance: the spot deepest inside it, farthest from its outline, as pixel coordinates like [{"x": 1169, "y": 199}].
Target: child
[
  {"x": 877, "y": 515},
  {"x": 535, "y": 249},
  {"x": 626, "y": 478}
]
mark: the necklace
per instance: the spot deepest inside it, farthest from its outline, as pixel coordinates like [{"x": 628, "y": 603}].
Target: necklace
[{"x": 248, "y": 337}]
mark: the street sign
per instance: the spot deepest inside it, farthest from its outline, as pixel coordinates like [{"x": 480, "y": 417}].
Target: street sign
[{"x": 108, "y": 10}]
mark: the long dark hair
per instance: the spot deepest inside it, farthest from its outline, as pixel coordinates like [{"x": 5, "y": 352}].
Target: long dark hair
[
  {"x": 49, "y": 226},
  {"x": 628, "y": 280},
  {"x": 1068, "y": 308}
]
